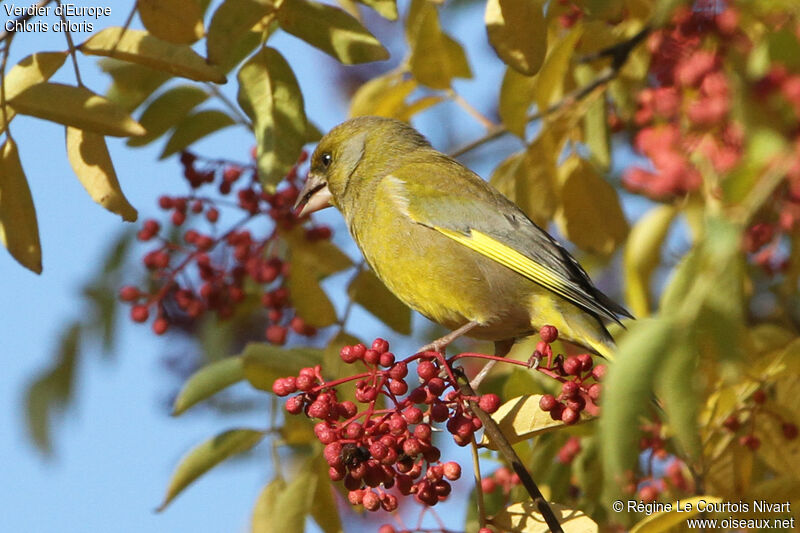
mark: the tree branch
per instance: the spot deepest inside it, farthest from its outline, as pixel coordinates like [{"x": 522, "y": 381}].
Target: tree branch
[
  {"x": 494, "y": 432},
  {"x": 619, "y": 54}
]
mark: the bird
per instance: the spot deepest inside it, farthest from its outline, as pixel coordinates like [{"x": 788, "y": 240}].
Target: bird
[{"x": 450, "y": 245}]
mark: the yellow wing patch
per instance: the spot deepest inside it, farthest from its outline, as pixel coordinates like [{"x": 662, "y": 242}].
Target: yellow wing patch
[{"x": 507, "y": 256}]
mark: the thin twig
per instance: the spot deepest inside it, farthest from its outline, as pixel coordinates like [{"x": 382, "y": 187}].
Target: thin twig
[
  {"x": 471, "y": 111},
  {"x": 493, "y": 431},
  {"x": 619, "y": 54},
  {"x": 476, "y": 467},
  {"x": 30, "y": 12},
  {"x": 243, "y": 120},
  {"x": 71, "y": 46}
]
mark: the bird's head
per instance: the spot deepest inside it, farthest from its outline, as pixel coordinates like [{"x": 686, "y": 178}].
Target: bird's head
[{"x": 374, "y": 145}]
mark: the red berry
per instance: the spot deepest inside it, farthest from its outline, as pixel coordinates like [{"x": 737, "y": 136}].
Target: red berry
[
  {"x": 489, "y": 403},
  {"x": 398, "y": 387},
  {"x": 178, "y": 217},
  {"x": 398, "y": 371},
  {"x": 380, "y": 345},
  {"x": 731, "y": 423},
  {"x": 759, "y": 396},
  {"x": 648, "y": 494},
  {"x": 160, "y": 325},
  {"x": 348, "y": 355},
  {"x": 570, "y": 389},
  {"x": 452, "y": 470},
  {"x": 426, "y": 370},
  {"x": 129, "y": 294},
  {"x": 276, "y": 334},
  {"x": 212, "y": 215},
  {"x": 371, "y": 357},
  {"x": 750, "y": 441},
  {"x": 594, "y": 391},
  {"x": 586, "y": 361},
  {"x": 436, "y": 386},
  {"x": 548, "y": 334},
  {"x": 139, "y": 313},
  {"x": 294, "y": 405},
  {"x": 488, "y": 485},
  {"x": 387, "y": 359},
  {"x": 599, "y": 372},
  {"x": 789, "y": 430},
  {"x": 413, "y": 414},
  {"x": 547, "y": 402},
  {"x": 572, "y": 366},
  {"x": 165, "y": 202},
  {"x": 570, "y": 416}
]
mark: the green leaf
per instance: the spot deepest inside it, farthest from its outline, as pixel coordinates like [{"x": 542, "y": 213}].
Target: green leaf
[
  {"x": 166, "y": 111},
  {"x": 550, "y": 81},
  {"x": 643, "y": 255},
  {"x": 132, "y": 84},
  {"x": 518, "y": 33},
  {"x": 323, "y": 504},
  {"x": 369, "y": 292},
  {"x": 385, "y": 96},
  {"x": 33, "y": 69},
  {"x": 19, "y": 231},
  {"x": 264, "y": 363},
  {"x": 76, "y": 106},
  {"x": 231, "y": 25},
  {"x": 206, "y": 456},
  {"x": 627, "y": 392},
  {"x": 176, "y": 21},
  {"x": 308, "y": 298},
  {"x": 678, "y": 389},
  {"x": 271, "y": 97},
  {"x": 137, "y": 46},
  {"x": 194, "y": 127},
  {"x": 208, "y": 381},
  {"x": 516, "y": 97},
  {"x": 331, "y": 30},
  {"x": 88, "y": 155},
  {"x": 322, "y": 256},
  {"x": 595, "y": 122},
  {"x": 283, "y": 508},
  {"x": 435, "y": 57},
  {"x": 51, "y": 390}
]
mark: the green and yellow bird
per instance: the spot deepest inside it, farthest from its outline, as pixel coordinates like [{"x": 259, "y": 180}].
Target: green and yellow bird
[{"x": 448, "y": 244}]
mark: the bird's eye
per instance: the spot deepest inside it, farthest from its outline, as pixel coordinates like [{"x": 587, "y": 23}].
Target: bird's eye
[{"x": 325, "y": 159}]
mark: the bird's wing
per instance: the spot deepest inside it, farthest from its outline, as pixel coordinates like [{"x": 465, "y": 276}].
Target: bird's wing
[{"x": 449, "y": 198}]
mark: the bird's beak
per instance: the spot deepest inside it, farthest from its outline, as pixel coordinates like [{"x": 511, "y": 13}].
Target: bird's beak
[{"x": 314, "y": 196}]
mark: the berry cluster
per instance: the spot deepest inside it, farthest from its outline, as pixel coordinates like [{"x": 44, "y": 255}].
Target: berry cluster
[
  {"x": 372, "y": 449},
  {"x": 502, "y": 478},
  {"x": 687, "y": 107},
  {"x": 579, "y": 377},
  {"x": 199, "y": 271},
  {"x": 754, "y": 409},
  {"x": 651, "y": 485}
]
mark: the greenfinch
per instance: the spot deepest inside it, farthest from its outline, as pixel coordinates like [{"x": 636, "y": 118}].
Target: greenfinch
[{"x": 450, "y": 245}]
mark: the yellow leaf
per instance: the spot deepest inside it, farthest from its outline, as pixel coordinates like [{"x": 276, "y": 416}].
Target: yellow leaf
[
  {"x": 369, "y": 292},
  {"x": 595, "y": 122},
  {"x": 323, "y": 505},
  {"x": 195, "y": 127},
  {"x": 385, "y": 8},
  {"x": 521, "y": 418},
  {"x": 176, "y": 21},
  {"x": 435, "y": 57},
  {"x": 516, "y": 97},
  {"x": 88, "y": 155},
  {"x": 308, "y": 298},
  {"x": 664, "y": 520},
  {"x": 208, "y": 381},
  {"x": 550, "y": 81},
  {"x": 643, "y": 255},
  {"x": 76, "y": 106},
  {"x": 527, "y": 179},
  {"x": 19, "y": 230},
  {"x": 271, "y": 97},
  {"x": 518, "y": 33},
  {"x": 231, "y": 23},
  {"x": 137, "y": 46},
  {"x": 283, "y": 508},
  {"x": 525, "y": 517},
  {"x": 590, "y": 214},
  {"x": 383, "y": 96},
  {"x": 33, "y": 69},
  {"x": 207, "y": 455},
  {"x": 132, "y": 84},
  {"x": 331, "y": 30},
  {"x": 264, "y": 363},
  {"x": 167, "y": 111}
]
